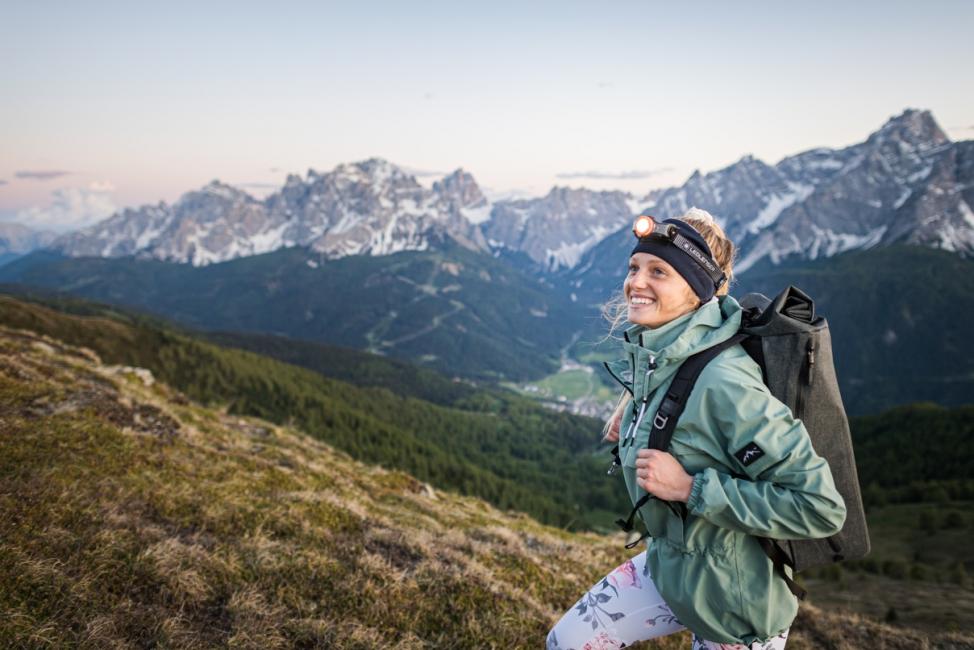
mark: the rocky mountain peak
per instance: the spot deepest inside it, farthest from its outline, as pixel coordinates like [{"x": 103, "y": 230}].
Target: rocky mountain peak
[
  {"x": 911, "y": 129},
  {"x": 555, "y": 230},
  {"x": 824, "y": 201},
  {"x": 461, "y": 186},
  {"x": 221, "y": 190},
  {"x": 374, "y": 171}
]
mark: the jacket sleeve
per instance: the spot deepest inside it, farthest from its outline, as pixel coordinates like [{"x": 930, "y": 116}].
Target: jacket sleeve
[{"x": 788, "y": 492}]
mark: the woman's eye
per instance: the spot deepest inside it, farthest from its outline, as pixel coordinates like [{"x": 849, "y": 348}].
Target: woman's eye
[
  {"x": 658, "y": 271},
  {"x": 633, "y": 269}
]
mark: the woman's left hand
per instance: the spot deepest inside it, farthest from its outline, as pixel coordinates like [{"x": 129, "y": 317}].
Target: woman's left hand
[{"x": 661, "y": 475}]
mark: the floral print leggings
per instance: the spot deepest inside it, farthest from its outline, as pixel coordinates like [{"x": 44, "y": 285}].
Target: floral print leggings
[{"x": 624, "y": 607}]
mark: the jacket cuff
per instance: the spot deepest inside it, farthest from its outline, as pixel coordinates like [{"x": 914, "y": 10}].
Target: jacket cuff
[{"x": 695, "y": 491}]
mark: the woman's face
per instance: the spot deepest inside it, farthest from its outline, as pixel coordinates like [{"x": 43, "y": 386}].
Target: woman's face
[{"x": 655, "y": 292}]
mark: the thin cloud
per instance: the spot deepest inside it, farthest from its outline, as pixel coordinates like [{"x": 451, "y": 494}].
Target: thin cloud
[
  {"x": 2, "y": 182},
  {"x": 259, "y": 186},
  {"x": 41, "y": 174},
  {"x": 71, "y": 208},
  {"x": 617, "y": 176},
  {"x": 423, "y": 173}
]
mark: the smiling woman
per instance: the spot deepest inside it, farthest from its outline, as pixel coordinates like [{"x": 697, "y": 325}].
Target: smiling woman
[
  {"x": 739, "y": 465},
  {"x": 655, "y": 292}
]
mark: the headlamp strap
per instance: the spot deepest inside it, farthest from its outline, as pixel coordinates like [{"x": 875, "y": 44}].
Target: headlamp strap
[{"x": 701, "y": 258}]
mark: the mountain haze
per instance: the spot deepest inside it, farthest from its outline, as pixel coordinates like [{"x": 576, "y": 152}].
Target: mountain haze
[
  {"x": 17, "y": 239},
  {"x": 462, "y": 312}
]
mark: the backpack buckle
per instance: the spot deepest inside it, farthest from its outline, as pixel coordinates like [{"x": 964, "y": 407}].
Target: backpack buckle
[{"x": 660, "y": 420}]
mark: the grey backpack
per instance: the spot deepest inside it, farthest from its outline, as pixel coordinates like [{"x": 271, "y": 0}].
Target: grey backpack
[{"x": 793, "y": 347}]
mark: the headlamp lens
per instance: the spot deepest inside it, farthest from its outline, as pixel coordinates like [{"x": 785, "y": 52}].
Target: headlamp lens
[{"x": 643, "y": 226}]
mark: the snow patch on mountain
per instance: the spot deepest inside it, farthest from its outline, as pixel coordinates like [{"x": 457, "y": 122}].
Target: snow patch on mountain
[
  {"x": 568, "y": 254},
  {"x": 777, "y": 204}
]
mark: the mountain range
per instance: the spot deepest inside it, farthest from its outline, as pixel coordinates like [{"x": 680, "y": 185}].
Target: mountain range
[
  {"x": 907, "y": 182},
  {"x": 366, "y": 208},
  {"x": 366, "y": 257}
]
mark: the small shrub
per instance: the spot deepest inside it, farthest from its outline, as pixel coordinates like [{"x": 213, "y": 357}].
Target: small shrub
[
  {"x": 918, "y": 572},
  {"x": 958, "y": 574},
  {"x": 895, "y": 569},
  {"x": 954, "y": 519},
  {"x": 832, "y": 573},
  {"x": 870, "y": 565},
  {"x": 928, "y": 522},
  {"x": 938, "y": 495}
]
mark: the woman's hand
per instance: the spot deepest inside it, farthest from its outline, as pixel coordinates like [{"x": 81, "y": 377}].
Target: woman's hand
[
  {"x": 613, "y": 433},
  {"x": 661, "y": 475}
]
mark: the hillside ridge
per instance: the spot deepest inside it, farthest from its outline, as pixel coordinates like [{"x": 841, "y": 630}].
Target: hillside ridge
[{"x": 130, "y": 515}]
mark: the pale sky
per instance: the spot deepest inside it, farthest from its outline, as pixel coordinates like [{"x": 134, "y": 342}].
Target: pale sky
[{"x": 107, "y": 104}]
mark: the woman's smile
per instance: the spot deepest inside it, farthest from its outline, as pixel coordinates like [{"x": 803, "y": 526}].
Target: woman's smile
[{"x": 637, "y": 301}]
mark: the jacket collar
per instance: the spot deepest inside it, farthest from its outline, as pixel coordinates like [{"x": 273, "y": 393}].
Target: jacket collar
[{"x": 710, "y": 324}]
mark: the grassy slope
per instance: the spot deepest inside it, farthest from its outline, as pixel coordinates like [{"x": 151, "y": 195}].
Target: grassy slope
[
  {"x": 913, "y": 570},
  {"x": 133, "y": 517},
  {"x": 502, "y": 448}
]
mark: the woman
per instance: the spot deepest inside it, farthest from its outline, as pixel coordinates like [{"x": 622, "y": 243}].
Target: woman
[{"x": 739, "y": 465}]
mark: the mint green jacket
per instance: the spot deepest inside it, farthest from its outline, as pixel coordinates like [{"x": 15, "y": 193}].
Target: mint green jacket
[{"x": 709, "y": 568}]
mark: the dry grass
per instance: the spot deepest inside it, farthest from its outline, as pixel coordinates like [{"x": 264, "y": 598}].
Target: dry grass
[{"x": 131, "y": 517}]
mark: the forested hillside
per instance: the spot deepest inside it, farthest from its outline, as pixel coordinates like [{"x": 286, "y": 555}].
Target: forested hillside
[{"x": 492, "y": 444}]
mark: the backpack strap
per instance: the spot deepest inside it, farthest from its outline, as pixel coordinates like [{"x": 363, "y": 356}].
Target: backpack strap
[
  {"x": 664, "y": 424},
  {"x": 780, "y": 559},
  {"x": 670, "y": 410}
]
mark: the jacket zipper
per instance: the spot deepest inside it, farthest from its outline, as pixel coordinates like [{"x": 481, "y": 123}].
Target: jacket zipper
[{"x": 630, "y": 437}]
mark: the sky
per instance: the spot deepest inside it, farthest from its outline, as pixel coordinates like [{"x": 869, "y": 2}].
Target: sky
[{"x": 116, "y": 104}]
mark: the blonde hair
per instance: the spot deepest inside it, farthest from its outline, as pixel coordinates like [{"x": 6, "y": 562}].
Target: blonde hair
[
  {"x": 723, "y": 250},
  {"x": 721, "y": 247}
]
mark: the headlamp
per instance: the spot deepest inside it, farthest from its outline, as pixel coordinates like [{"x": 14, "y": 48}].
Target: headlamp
[
  {"x": 647, "y": 229},
  {"x": 646, "y": 226}
]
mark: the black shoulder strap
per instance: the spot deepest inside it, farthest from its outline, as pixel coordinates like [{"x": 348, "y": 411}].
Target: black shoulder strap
[
  {"x": 780, "y": 559},
  {"x": 679, "y": 391},
  {"x": 670, "y": 410}
]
